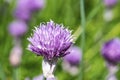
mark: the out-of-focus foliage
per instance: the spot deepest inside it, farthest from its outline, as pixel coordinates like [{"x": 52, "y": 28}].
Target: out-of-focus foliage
[{"x": 66, "y": 12}]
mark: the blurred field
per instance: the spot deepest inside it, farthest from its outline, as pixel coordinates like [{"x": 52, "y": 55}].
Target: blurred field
[{"x": 66, "y": 12}]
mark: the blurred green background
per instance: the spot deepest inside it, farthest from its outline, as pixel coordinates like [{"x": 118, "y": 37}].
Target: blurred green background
[{"x": 66, "y": 12}]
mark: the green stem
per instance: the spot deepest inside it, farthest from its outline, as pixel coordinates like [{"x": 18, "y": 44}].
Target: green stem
[
  {"x": 83, "y": 24},
  {"x": 91, "y": 15},
  {"x": 16, "y": 73},
  {"x": 2, "y": 73}
]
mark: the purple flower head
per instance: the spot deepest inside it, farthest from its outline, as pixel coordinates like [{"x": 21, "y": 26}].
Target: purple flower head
[
  {"x": 74, "y": 57},
  {"x": 17, "y": 28},
  {"x": 22, "y": 10},
  {"x": 22, "y": 13},
  {"x": 50, "y": 40},
  {"x": 36, "y": 4},
  {"x": 111, "y": 51},
  {"x": 110, "y": 3},
  {"x": 23, "y": 3}
]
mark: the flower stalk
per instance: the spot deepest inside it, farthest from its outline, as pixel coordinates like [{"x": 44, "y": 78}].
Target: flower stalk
[
  {"x": 48, "y": 68},
  {"x": 83, "y": 23}
]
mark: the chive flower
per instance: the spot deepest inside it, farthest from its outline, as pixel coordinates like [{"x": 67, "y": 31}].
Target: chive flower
[
  {"x": 31, "y": 4},
  {"x": 17, "y": 28},
  {"x": 74, "y": 57},
  {"x": 71, "y": 61},
  {"x": 24, "y": 8},
  {"x": 51, "y": 41},
  {"x": 22, "y": 14},
  {"x": 111, "y": 51},
  {"x": 36, "y": 5},
  {"x": 110, "y": 3}
]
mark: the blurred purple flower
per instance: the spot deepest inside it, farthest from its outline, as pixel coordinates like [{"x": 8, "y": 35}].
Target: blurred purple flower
[
  {"x": 36, "y": 4},
  {"x": 111, "y": 51},
  {"x": 71, "y": 61},
  {"x": 31, "y": 4},
  {"x": 17, "y": 28},
  {"x": 74, "y": 57},
  {"x": 24, "y": 8},
  {"x": 110, "y": 3},
  {"x": 15, "y": 55},
  {"x": 22, "y": 14},
  {"x": 50, "y": 40}
]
